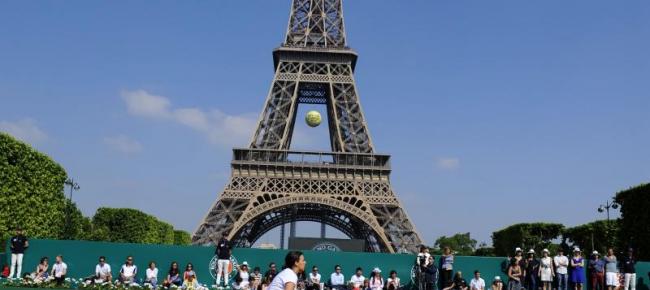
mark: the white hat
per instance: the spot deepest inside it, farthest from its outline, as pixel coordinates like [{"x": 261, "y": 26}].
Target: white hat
[
  {"x": 545, "y": 251},
  {"x": 376, "y": 270},
  {"x": 244, "y": 264},
  {"x": 595, "y": 253},
  {"x": 531, "y": 251},
  {"x": 497, "y": 278},
  {"x": 518, "y": 249},
  {"x": 576, "y": 249}
]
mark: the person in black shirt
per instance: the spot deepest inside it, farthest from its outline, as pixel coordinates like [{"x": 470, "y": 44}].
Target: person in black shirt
[
  {"x": 18, "y": 245},
  {"x": 270, "y": 274},
  {"x": 532, "y": 271},
  {"x": 223, "y": 252},
  {"x": 629, "y": 270}
]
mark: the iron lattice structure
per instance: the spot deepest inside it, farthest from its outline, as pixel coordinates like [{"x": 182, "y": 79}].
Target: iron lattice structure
[{"x": 348, "y": 188}]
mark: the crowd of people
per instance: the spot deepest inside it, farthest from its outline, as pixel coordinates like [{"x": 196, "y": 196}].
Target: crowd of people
[
  {"x": 530, "y": 273},
  {"x": 523, "y": 272}
]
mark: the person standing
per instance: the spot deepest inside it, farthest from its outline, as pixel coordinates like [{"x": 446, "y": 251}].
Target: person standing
[
  {"x": 578, "y": 273},
  {"x": 223, "y": 252},
  {"x": 294, "y": 264},
  {"x": 477, "y": 282},
  {"x": 18, "y": 245},
  {"x": 629, "y": 270},
  {"x": 430, "y": 274},
  {"x": 514, "y": 275},
  {"x": 561, "y": 263},
  {"x": 446, "y": 266},
  {"x": 597, "y": 271},
  {"x": 532, "y": 271},
  {"x": 611, "y": 270},
  {"x": 59, "y": 270},
  {"x": 546, "y": 270}
]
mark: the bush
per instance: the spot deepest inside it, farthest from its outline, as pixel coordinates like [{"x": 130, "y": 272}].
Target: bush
[
  {"x": 31, "y": 191},
  {"x": 601, "y": 233},
  {"x": 126, "y": 225},
  {"x": 635, "y": 218},
  {"x": 182, "y": 238},
  {"x": 535, "y": 236}
]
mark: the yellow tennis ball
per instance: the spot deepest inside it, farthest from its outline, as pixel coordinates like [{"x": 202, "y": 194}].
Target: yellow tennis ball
[{"x": 313, "y": 118}]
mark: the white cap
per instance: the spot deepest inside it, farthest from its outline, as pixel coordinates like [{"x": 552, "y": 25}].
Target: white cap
[
  {"x": 244, "y": 264},
  {"x": 517, "y": 249},
  {"x": 376, "y": 270},
  {"x": 531, "y": 251},
  {"x": 576, "y": 249},
  {"x": 497, "y": 278},
  {"x": 595, "y": 253},
  {"x": 545, "y": 251}
]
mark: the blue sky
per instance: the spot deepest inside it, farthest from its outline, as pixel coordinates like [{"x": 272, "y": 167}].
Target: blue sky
[{"x": 494, "y": 112}]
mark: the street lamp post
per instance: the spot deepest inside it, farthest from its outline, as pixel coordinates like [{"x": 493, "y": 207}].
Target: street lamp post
[
  {"x": 606, "y": 207},
  {"x": 73, "y": 186}
]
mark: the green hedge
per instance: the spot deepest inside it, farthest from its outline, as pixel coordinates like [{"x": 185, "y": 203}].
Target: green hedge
[
  {"x": 31, "y": 191},
  {"x": 635, "y": 219},
  {"x": 527, "y": 236},
  {"x": 126, "y": 225}
]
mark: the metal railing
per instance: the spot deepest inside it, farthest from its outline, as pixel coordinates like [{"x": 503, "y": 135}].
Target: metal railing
[{"x": 312, "y": 158}]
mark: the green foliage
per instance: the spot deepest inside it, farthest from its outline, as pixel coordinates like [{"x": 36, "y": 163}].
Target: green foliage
[
  {"x": 31, "y": 191},
  {"x": 635, "y": 218},
  {"x": 127, "y": 225},
  {"x": 535, "y": 236},
  {"x": 601, "y": 233},
  {"x": 484, "y": 251},
  {"x": 460, "y": 243},
  {"x": 182, "y": 238}
]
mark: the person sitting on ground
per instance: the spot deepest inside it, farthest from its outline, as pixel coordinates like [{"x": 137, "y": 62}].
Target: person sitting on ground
[
  {"x": 128, "y": 271},
  {"x": 238, "y": 283},
  {"x": 393, "y": 282},
  {"x": 189, "y": 271},
  {"x": 243, "y": 273},
  {"x": 458, "y": 283},
  {"x": 376, "y": 281},
  {"x": 269, "y": 276},
  {"x": 356, "y": 282},
  {"x": 151, "y": 276},
  {"x": 256, "y": 279},
  {"x": 173, "y": 276},
  {"x": 477, "y": 283},
  {"x": 59, "y": 270},
  {"x": 337, "y": 279},
  {"x": 191, "y": 283},
  {"x": 103, "y": 272},
  {"x": 41, "y": 274},
  {"x": 497, "y": 284},
  {"x": 314, "y": 281}
]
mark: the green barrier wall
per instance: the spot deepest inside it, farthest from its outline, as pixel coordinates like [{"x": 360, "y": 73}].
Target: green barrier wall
[{"x": 81, "y": 257}]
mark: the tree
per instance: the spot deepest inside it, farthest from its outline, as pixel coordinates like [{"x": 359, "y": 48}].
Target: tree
[
  {"x": 31, "y": 191},
  {"x": 597, "y": 235},
  {"x": 126, "y": 225},
  {"x": 484, "y": 251},
  {"x": 635, "y": 218},
  {"x": 182, "y": 238},
  {"x": 460, "y": 243},
  {"x": 535, "y": 236}
]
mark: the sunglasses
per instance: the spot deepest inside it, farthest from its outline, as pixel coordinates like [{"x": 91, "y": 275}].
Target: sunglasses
[{"x": 338, "y": 269}]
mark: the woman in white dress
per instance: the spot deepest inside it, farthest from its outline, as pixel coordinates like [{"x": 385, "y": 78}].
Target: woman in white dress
[{"x": 546, "y": 272}]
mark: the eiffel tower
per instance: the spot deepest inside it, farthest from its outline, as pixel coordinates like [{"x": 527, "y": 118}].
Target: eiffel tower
[{"x": 347, "y": 188}]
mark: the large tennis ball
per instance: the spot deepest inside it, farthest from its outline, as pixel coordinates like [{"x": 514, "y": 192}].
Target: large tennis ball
[{"x": 313, "y": 118}]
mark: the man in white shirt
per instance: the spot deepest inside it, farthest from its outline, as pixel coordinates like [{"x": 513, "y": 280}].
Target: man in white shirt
[
  {"x": 59, "y": 270},
  {"x": 337, "y": 280},
  {"x": 314, "y": 280},
  {"x": 423, "y": 256},
  {"x": 477, "y": 282},
  {"x": 561, "y": 263},
  {"x": 356, "y": 282},
  {"x": 103, "y": 271},
  {"x": 128, "y": 271}
]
